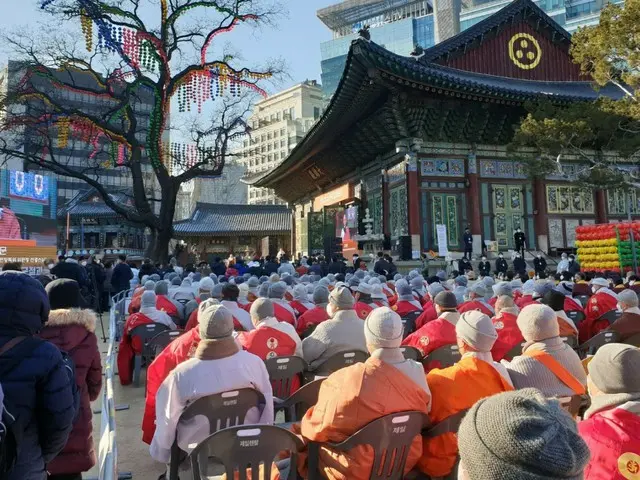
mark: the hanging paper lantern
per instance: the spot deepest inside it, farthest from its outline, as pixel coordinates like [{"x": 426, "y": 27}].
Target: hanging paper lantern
[
  {"x": 87, "y": 29},
  {"x": 63, "y": 132}
]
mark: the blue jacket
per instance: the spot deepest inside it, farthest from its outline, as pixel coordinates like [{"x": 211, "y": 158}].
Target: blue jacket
[{"x": 40, "y": 389}]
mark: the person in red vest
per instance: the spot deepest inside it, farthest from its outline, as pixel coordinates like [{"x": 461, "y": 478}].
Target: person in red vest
[
  {"x": 429, "y": 312},
  {"x": 477, "y": 294},
  {"x": 205, "y": 286},
  {"x": 527, "y": 294},
  {"x": 505, "y": 323},
  {"x": 364, "y": 304},
  {"x": 602, "y": 301},
  {"x": 253, "y": 283},
  {"x": 282, "y": 309},
  {"x": 269, "y": 338},
  {"x": 300, "y": 302},
  {"x": 181, "y": 349},
  {"x": 134, "y": 305},
  {"x": 378, "y": 297},
  {"x": 439, "y": 332},
  {"x": 316, "y": 315},
  {"x": 406, "y": 302},
  {"x": 163, "y": 303},
  {"x": 131, "y": 346},
  {"x": 241, "y": 318},
  {"x": 570, "y": 303},
  {"x": 216, "y": 294}
]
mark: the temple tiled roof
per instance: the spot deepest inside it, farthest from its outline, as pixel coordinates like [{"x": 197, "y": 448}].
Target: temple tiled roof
[
  {"x": 218, "y": 219},
  {"x": 88, "y": 203}
]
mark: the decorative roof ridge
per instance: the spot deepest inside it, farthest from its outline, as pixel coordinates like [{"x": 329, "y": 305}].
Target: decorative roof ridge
[{"x": 484, "y": 26}]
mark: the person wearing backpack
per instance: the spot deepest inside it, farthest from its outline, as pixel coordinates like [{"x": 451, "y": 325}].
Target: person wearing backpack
[
  {"x": 40, "y": 398},
  {"x": 71, "y": 329}
]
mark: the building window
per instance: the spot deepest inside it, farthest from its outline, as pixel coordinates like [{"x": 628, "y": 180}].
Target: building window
[
  {"x": 568, "y": 199},
  {"x": 269, "y": 136},
  {"x": 282, "y": 132},
  {"x": 283, "y": 143},
  {"x": 316, "y": 113},
  {"x": 618, "y": 202}
]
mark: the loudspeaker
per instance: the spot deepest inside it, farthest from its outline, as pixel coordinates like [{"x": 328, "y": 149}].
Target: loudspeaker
[{"x": 404, "y": 247}]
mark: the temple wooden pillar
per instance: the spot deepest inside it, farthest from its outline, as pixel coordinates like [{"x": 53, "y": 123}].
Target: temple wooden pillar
[
  {"x": 413, "y": 194},
  {"x": 386, "y": 227},
  {"x": 601, "y": 207},
  {"x": 473, "y": 202},
  {"x": 540, "y": 214}
]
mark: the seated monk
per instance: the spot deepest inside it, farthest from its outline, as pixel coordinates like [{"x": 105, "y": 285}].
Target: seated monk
[
  {"x": 134, "y": 305},
  {"x": 406, "y": 302},
  {"x": 500, "y": 289},
  {"x": 252, "y": 295},
  {"x": 269, "y": 338},
  {"x": 132, "y": 346},
  {"x": 218, "y": 366},
  {"x": 356, "y": 395},
  {"x": 172, "y": 308},
  {"x": 547, "y": 362},
  {"x": 527, "y": 295},
  {"x": 458, "y": 387},
  {"x": 505, "y": 323},
  {"x": 477, "y": 294},
  {"x": 205, "y": 286},
  {"x": 342, "y": 332},
  {"x": 300, "y": 302},
  {"x": 429, "y": 310},
  {"x": 628, "y": 324},
  {"x": 602, "y": 301},
  {"x": 570, "y": 303},
  {"x": 284, "y": 312},
  {"x": 581, "y": 286},
  {"x": 179, "y": 350},
  {"x": 364, "y": 303},
  {"x": 439, "y": 332},
  {"x": 317, "y": 314},
  {"x": 216, "y": 294},
  {"x": 555, "y": 300}
]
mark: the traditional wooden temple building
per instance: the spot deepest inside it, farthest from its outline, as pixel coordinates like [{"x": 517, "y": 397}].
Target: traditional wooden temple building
[
  {"x": 421, "y": 141},
  {"x": 221, "y": 230},
  {"x": 93, "y": 228}
]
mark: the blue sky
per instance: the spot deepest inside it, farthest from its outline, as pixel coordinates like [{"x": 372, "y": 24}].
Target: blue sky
[{"x": 296, "y": 38}]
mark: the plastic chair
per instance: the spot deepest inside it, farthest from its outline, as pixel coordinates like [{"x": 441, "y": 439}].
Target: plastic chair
[
  {"x": 282, "y": 371},
  {"x": 223, "y": 410},
  {"x": 451, "y": 424},
  {"x": 389, "y": 436},
  {"x": 445, "y": 356},
  {"x": 411, "y": 353},
  {"x": 576, "y": 316},
  {"x": 583, "y": 299},
  {"x": 145, "y": 333},
  {"x": 246, "y": 447},
  {"x": 611, "y": 316},
  {"x": 341, "y": 360},
  {"x": 634, "y": 340},
  {"x": 297, "y": 404},
  {"x": 409, "y": 323},
  {"x": 591, "y": 346},
  {"x": 516, "y": 351},
  {"x": 158, "y": 343}
]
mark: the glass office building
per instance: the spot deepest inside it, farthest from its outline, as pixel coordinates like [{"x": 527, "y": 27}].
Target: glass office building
[
  {"x": 397, "y": 29},
  {"x": 570, "y": 14}
]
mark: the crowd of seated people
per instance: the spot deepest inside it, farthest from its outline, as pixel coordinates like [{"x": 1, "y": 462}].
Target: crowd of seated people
[{"x": 516, "y": 365}]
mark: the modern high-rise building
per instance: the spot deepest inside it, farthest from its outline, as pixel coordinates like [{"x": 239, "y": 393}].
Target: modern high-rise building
[
  {"x": 396, "y": 25},
  {"x": 278, "y": 123},
  {"x": 570, "y": 14},
  {"x": 71, "y": 149},
  {"x": 226, "y": 188}
]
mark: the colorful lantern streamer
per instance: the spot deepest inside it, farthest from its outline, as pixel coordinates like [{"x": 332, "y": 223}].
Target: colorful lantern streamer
[
  {"x": 87, "y": 30},
  {"x": 63, "y": 132}
]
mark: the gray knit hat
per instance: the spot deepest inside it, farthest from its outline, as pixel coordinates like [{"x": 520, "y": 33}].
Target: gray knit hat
[
  {"x": 383, "y": 328},
  {"x": 216, "y": 291},
  {"x": 277, "y": 290},
  {"x": 148, "y": 299},
  {"x": 538, "y": 322},
  {"x": 206, "y": 285},
  {"x": 321, "y": 295},
  {"x": 162, "y": 288},
  {"x": 215, "y": 323},
  {"x": 521, "y": 435},
  {"x": 403, "y": 289},
  {"x": 261, "y": 309},
  {"x": 446, "y": 300},
  {"x": 615, "y": 369},
  {"x": 477, "y": 330},
  {"x": 149, "y": 285},
  {"x": 503, "y": 288},
  {"x": 435, "y": 289},
  {"x": 263, "y": 291},
  {"x": 479, "y": 289},
  {"x": 341, "y": 298}
]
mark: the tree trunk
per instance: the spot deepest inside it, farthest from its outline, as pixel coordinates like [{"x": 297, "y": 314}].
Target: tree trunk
[{"x": 158, "y": 249}]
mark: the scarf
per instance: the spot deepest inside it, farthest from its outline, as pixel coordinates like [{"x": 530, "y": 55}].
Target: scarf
[
  {"x": 216, "y": 349},
  {"x": 607, "y": 401}
]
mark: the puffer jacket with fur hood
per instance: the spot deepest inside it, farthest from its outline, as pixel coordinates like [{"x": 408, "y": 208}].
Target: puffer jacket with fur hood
[{"x": 73, "y": 332}]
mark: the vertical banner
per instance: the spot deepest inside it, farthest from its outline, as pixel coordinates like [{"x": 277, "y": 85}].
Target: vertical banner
[{"x": 441, "y": 234}]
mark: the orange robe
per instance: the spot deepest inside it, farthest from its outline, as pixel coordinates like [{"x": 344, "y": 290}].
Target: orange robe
[
  {"x": 454, "y": 389},
  {"x": 351, "y": 398}
]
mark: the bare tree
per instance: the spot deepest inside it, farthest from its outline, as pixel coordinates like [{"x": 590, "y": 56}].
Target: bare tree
[{"x": 135, "y": 75}]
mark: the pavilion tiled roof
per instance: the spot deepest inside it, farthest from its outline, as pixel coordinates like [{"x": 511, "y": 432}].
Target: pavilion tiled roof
[
  {"x": 87, "y": 203},
  {"x": 217, "y": 219}
]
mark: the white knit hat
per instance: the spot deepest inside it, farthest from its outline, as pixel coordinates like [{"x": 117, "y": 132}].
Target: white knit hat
[
  {"x": 538, "y": 322},
  {"x": 477, "y": 330},
  {"x": 261, "y": 309},
  {"x": 383, "y": 328},
  {"x": 341, "y": 298},
  {"x": 148, "y": 299},
  {"x": 602, "y": 282},
  {"x": 216, "y": 323},
  {"x": 364, "y": 288}
]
